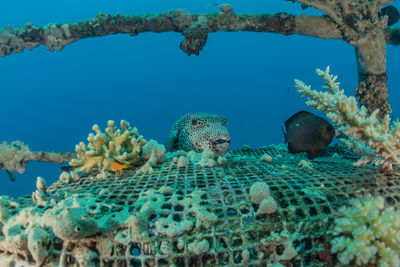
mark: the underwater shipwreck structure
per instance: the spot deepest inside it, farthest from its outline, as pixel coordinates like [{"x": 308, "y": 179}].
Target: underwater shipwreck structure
[{"x": 127, "y": 202}]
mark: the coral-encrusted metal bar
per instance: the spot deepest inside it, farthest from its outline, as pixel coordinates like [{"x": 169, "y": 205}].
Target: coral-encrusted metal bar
[
  {"x": 195, "y": 28},
  {"x": 368, "y": 35}
]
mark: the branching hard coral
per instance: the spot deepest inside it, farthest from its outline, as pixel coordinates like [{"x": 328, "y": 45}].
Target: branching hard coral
[
  {"x": 369, "y": 136},
  {"x": 123, "y": 145},
  {"x": 368, "y": 229}
]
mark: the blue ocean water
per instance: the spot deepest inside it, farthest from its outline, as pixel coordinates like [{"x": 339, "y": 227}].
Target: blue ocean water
[{"x": 50, "y": 100}]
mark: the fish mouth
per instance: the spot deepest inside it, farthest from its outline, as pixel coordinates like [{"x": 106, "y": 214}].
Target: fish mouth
[{"x": 221, "y": 145}]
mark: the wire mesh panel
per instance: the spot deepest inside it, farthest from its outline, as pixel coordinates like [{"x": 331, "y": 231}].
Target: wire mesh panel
[{"x": 308, "y": 194}]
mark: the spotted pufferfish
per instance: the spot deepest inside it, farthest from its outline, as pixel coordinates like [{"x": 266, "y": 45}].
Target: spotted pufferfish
[{"x": 198, "y": 132}]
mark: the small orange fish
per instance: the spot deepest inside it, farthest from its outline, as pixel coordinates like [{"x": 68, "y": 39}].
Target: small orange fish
[{"x": 117, "y": 167}]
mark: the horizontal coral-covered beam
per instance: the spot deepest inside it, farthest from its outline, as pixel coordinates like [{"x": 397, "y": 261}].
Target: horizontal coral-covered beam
[
  {"x": 194, "y": 27},
  {"x": 15, "y": 156},
  {"x": 57, "y": 157}
]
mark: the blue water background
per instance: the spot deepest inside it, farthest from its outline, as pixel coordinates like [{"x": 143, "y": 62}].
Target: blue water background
[{"x": 50, "y": 100}]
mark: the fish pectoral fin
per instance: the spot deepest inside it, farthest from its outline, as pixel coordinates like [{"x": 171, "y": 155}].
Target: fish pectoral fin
[
  {"x": 284, "y": 134},
  {"x": 175, "y": 141},
  {"x": 311, "y": 154},
  {"x": 11, "y": 175},
  {"x": 291, "y": 149}
]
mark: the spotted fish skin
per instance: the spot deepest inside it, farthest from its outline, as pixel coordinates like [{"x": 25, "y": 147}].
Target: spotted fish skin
[
  {"x": 198, "y": 132},
  {"x": 306, "y": 132}
]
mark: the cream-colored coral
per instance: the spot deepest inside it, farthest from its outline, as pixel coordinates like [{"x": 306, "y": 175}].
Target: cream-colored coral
[
  {"x": 259, "y": 191},
  {"x": 280, "y": 239},
  {"x": 182, "y": 162},
  {"x": 6, "y": 203},
  {"x": 153, "y": 203},
  {"x": 38, "y": 243},
  {"x": 123, "y": 145},
  {"x": 204, "y": 216},
  {"x": 267, "y": 206},
  {"x": 85, "y": 256},
  {"x": 365, "y": 230},
  {"x": 39, "y": 197},
  {"x": 205, "y": 158},
  {"x": 41, "y": 184},
  {"x": 165, "y": 247},
  {"x": 245, "y": 256},
  {"x": 305, "y": 165},
  {"x": 169, "y": 227},
  {"x": 260, "y": 194},
  {"x": 199, "y": 247},
  {"x": 153, "y": 153},
  {"x": 25, "y": 233},
  {"x": 152, "y": 149},
  {"x": 65, "y": 177},
  {"x": 266, "y": 158},
  {"x": 374, "y": 139}
]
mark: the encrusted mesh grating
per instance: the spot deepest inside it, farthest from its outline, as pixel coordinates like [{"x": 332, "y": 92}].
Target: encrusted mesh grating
[{"x": 308, "y": 198}]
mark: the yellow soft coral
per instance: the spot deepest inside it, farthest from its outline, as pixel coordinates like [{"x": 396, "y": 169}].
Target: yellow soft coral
[
  {"x": 123, "y": 146},
  {"x": 369, "y": 136},
  {"x": 367, "y": 229}
]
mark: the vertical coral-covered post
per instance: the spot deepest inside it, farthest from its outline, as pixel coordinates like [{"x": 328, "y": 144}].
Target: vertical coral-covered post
[
  {"x": 362, "y": 27},
  {"x": 372, "y": 88}
]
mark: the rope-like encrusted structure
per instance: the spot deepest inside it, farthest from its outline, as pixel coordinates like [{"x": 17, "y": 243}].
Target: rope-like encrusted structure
[
  {"x": 195, "y": 28},
  {"x": 15, "y": 156}
]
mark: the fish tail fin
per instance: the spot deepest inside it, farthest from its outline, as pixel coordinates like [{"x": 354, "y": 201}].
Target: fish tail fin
[
  {"x": 339, "y": 134},
  {"x": 284, "y": 134},
  {"x": 311, "y": 154},
  {"x": 11, "y": 175}
]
